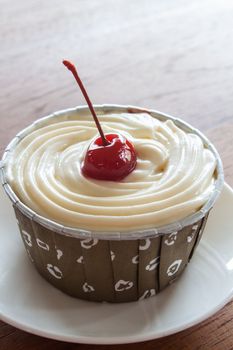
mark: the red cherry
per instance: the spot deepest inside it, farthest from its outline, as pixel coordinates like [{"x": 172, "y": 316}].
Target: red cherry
[
  {"x": 110, "y": 157},
  {"x": 112, "y": 162}
]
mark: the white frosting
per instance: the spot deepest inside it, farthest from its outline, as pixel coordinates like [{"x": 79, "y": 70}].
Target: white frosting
[{"x": 173, "y": 178}]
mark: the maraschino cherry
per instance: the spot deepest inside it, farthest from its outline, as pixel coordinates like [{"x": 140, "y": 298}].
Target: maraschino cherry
[{"x": 109, "y": 157}]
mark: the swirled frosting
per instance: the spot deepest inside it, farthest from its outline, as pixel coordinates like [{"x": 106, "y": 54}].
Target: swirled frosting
[{"x": 174, "y": 176}]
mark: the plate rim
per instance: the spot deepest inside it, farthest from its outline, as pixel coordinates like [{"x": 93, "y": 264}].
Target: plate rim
[{"x": 116, "y": 340}]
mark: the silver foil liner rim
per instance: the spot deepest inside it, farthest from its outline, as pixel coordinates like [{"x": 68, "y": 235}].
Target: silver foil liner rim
[{"x": 114, "y": 235}]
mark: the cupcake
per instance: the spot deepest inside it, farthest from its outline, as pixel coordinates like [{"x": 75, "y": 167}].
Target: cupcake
[{"x": 104, "y": 240}]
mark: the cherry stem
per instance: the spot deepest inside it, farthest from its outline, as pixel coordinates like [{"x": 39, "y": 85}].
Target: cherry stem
[{"x": 73, "y": 70}]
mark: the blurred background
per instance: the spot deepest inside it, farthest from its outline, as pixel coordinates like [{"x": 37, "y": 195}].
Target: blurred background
[{"x": 173, "y": 56}]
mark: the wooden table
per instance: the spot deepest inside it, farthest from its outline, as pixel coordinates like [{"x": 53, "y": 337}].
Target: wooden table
[{"x": 174, "y": 56}]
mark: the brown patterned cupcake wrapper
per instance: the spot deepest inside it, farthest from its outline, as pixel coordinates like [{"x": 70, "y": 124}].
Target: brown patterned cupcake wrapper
[
  {"x": 109, "y": 266},
  {"x": 107, "y": 270}
]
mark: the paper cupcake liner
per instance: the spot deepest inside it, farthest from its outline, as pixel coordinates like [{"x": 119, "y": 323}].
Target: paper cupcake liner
[
  {"x": 106, "y": 270},
  {"x": 109, "y": 266}
]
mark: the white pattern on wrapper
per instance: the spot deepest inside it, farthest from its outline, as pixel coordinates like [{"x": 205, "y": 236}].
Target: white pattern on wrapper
[
  {"x": 27, "y": 238},
  {"x": 153, "y": 264},
  {"x": 174, "y": 267},
  {"x": 135, "y": 259},
  {"x": 54, "y": 271},
  {"x": 80, "y": 260},
  {"x": 171, "y": 238},
  {"x": 89, "y": 243},
  {"x": 190, "y": 237},
  {"x": 42, "y": 244},
  {"x": 146, "y": 245},
  {"x": 59, "y": 253},
  {"x": 122, "y": 285},
  {"x": 87, "y": 288},
  {"x": 113, "y": 255},
  {"x": 147, "y": 294},
  {"x": 192, "y": 234}
]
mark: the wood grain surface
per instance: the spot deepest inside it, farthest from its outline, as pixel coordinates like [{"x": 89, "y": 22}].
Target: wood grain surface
[{"x": 174, "y": 56}]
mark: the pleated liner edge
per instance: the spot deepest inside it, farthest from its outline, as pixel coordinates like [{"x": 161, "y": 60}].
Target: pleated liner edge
[{"x": 105, "y": 270}]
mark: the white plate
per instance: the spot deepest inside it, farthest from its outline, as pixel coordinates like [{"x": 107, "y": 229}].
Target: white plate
[{"x": 30, "y": 303}]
